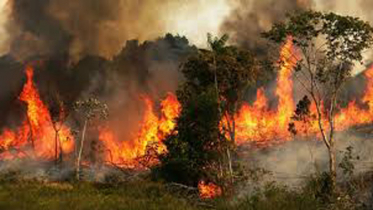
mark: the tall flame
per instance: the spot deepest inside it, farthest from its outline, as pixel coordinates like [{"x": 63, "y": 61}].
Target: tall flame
[
  {"x": 37, "y": 130},
  {"x": 257, "y": 122},
  {"x": 152, "y": 132},
  {"x": 263, "y": 126}
]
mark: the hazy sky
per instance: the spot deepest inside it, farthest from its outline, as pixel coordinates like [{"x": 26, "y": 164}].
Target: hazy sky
[
  {"x": 196, "y": 19},
  {"x": 3, "y": 35},
  {"x": 192, "y": 18}
]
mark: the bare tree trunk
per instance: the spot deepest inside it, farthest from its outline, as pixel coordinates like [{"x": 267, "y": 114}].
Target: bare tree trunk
[
  {"x": 219, "y": 113},
  {"x": 332, "y": 148},
  {"x": 232, "y": 132},
  {"x": 333, "y": 164},
  {"x": 60, "y": 158},
  {"x": 233, "y": 136},
  {"x": 329, "y": 142},
  {"x": 56, "y": 145},
  {"x": 230, "y": 164},
  {"x": 81, "y": 151}
]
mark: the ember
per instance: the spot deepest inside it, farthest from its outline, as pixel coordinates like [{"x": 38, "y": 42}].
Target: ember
[{"x": 209, "y": 191}]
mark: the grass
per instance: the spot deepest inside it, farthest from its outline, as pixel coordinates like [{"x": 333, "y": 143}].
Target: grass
[
  {"x": 87, "y": 196},
  {"x": 275, "y": 198},
  {"x": 144, "y": 194}
]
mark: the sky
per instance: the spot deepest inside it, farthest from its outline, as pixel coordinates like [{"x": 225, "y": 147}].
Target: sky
[
  {"x": 197, "y": 19},
  {"x": 3, "y": 34}
]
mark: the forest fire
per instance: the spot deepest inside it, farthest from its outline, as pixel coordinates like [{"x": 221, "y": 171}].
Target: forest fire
[
  {"x": 209, "y": 191},
  {"x": 153, "y": 131},
  {"x": 36, "y": 131},
  {"x": 259, "y": 124},
  {"x": 36, "y": 137}
]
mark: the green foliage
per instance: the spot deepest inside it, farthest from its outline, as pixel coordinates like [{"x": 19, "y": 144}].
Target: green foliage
[
  {"x": 214, "y": 85},
  {"x": 197, "y": 145},
  {"x": 346, "y": 37},
  {"x": 234, "y": 69},
  {"x": 217, "y": 44},
  {"x": 342, "y": 40}
]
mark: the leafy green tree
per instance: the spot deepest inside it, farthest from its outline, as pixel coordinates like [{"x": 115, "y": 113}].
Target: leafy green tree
[
  {"x": 327, "y": 48},
  {"x": 228, "y": 69},
  {"x": 195, "y": 149},
  {"x": 215, "y": 81}
]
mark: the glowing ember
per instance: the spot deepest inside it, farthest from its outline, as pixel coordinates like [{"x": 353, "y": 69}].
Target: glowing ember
[
  {"x": 209, "y": 191},
  {"x": 37, "y": 130},
  {"x": 152, "y": 132}
]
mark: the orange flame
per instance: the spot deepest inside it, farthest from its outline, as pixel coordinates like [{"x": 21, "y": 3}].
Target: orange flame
[
  {"x": 254, "y": 123},
  {"x": 153, "y": 131},
  {"x": 257, "y": 122},
  {"x": 37, "y": 130},
  {"x": 209, "y": 191}
]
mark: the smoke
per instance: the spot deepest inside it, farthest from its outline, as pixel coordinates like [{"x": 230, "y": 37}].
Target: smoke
[
  {"x": 95, "y": 27},
  {"x": 294, "y": 162},
  {"x": 149, "y": 69},
  {"x": 250, "y": 18},
  {"x": 3, "y": 20}
]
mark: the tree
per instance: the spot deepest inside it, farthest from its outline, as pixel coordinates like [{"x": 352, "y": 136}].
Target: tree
[
  {"x": 195, "y": 150},
  {"x": 215, "y": 82},
  {"x": 228, "y": 69},
  {"x": 59, "y": 115},
  {"x": 89, "y": 110},
  {"x": 327, "y": 48}
]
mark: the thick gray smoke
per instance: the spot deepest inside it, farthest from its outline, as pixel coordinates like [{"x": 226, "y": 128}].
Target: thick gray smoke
[
  {"x": 293, "y": 162},
  {"x": 97, "y": 27},
  {"x": 39, "y": 29},
  {"x": 250, "y": 18}
]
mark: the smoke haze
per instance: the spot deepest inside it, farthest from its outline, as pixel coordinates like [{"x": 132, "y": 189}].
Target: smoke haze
[{"x": 86, "y": 27}]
